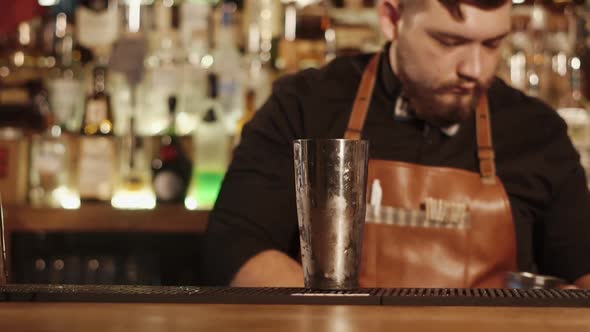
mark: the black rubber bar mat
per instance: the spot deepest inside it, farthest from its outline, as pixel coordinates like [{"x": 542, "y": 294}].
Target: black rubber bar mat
[
  {"x": 181, "y": 294},
  {"x": 377, "y": 296},
  {"x": 486, "y": 297}
]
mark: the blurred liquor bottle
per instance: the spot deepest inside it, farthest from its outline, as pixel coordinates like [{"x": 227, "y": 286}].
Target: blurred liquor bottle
[
  {"x": 257, "y": 83},
  {"x": 21, "y": 78},
  {"x": 356, "y": 26},
  {"x": 127, "y": 65},
  {"x": 258, "y": 69},
  {"x": 213, "y": 144},
  {"x": 97, "y": 151},
  {"x": 65, "y": 79},
  {"x": 227, "y": 68},
  {"x": 309, "y": 38},
  {"x": 171, "y": 167},
  {"x": 573, "y": 107},
  {"x": 516, "y": 54},
  {"x": 559, "y": 50},
  {"x": 97, "y": 24},
  {"x": 196, "y": 36},
  {"x": 133, "y": 187},
  {"x": 164, "y": 68},
  {"x": 22, "y": 99},
  {"x": 14, "y": 162},
  {"x": 257, "y": 90},
  {"x": 265, "y": 17},
  {"x": 195, "y": 18},
  {"x": 538, "y": 59},
  {"x": 582, "y": 47},
  {"x": 133, "y": 190},
  {"x": 25, "y": 56},
  {"x": 51, "y": 180}
]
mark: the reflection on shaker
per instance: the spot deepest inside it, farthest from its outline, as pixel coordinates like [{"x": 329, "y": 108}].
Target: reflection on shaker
[{"x": 376, "y": 193}]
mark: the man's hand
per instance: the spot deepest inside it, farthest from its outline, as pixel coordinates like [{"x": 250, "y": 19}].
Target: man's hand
[
  {"x": 269, "y": 268},
  {"x": 583, "y": 282}
]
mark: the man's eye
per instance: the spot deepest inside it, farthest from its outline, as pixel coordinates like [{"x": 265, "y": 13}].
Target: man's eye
[
  {"x": 493, "y": 44},
  {"x": 448, "y": 42}
]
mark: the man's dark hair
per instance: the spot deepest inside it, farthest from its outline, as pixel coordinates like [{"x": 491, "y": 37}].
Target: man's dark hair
[{"x": 454, "y": 6}]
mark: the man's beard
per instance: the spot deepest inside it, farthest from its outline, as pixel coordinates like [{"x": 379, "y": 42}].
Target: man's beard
[{"x": 429, "y": 105}]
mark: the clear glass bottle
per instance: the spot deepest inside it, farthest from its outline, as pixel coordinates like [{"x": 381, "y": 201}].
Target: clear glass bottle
[
  {"x": 51, "y": 180},
  {"x": 266, "y": 17},
  {"x": 212, "y": 153},
  {"x": 127, "y": 68},
  {"x": 164, "y": 70},
  {"x": 134, "y": 189},
  {"x": 257, "y": 70},
  {"x": 194, "y": 28},
  {"x": 195, "y": 33},
  {"x": 227, "y": 67},
  {"x": 65, "y": 81},
  {"x": 257, "y": 85},
  {"x": 97, "y": 25}
]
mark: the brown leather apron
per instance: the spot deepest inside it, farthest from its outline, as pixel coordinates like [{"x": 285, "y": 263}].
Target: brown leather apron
[{"x": 410, "y": 242}]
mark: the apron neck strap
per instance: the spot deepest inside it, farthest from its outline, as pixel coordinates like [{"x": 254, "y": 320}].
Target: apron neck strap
[
  {"x": 363, "y": 100},
  {"x": 485, "y": 149}
]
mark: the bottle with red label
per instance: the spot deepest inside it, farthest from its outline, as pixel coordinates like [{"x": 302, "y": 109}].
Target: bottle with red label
[{"x": 172, "y": 167}]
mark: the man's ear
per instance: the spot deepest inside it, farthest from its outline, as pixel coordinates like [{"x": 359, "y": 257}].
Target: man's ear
[{"x": 389, "y": 15}]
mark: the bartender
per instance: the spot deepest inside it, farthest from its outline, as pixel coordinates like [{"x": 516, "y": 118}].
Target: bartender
[{"x": 442, "y": 128}]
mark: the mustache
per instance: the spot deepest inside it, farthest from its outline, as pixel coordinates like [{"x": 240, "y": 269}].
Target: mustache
[{"x": 471, "y": 86}]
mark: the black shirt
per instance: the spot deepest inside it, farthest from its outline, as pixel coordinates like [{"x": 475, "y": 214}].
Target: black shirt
[{"x": 535, "y": 160}]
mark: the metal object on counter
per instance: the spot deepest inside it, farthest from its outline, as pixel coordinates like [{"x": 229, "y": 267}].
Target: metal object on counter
[
  {"x": 527, "y": 280},
  {"x": 331, "y": 182}
]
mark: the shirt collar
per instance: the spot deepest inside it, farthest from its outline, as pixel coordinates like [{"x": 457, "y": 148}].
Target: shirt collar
[
  {"x": 393, "y": 87},
  {"x": 403, "y": 112}
]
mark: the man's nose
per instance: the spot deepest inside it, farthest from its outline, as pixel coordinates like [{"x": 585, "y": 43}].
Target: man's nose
[{"x": 470, "y": 66}]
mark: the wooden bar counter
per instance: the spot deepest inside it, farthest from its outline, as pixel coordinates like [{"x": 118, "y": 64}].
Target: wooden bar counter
[
  {"x": 146, "y": 309},
  {"x": 104, "y": 317}
]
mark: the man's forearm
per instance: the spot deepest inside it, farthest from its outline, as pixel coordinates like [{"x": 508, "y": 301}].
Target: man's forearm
[{"x": 269, "y": 269}]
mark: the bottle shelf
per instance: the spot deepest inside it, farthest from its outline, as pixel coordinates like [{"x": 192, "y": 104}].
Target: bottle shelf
[{"x": 103, "y": 218}]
